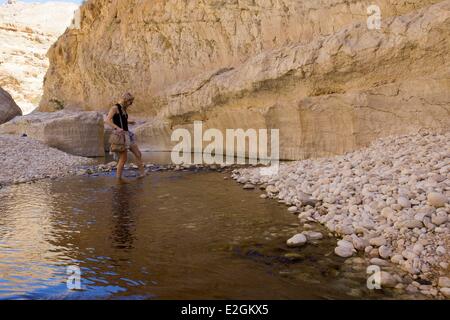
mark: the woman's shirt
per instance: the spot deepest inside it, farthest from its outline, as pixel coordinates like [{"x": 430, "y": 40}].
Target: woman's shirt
[{"x": 121, "y": 115}]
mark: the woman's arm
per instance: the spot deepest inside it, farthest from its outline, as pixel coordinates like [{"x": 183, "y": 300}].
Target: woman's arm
[{"x": 109, "y": 118}]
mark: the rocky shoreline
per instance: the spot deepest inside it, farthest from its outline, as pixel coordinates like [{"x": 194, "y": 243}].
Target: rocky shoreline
[
  {"x": 131, "y": 169},
  {"x": 26, "y": 160},
  {"x": 388, "y": 204}
]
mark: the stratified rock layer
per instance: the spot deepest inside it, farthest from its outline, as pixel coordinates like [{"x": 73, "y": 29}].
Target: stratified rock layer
[
  {"x": 312, "y": 69},
  {"x": 77, "y": 133},
  {"x": 8, "y": 108}
]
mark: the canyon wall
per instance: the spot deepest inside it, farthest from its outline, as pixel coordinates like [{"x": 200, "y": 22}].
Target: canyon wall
[
  {"x": 27, "y": 30},
  {"x": 312, "y": 69}
]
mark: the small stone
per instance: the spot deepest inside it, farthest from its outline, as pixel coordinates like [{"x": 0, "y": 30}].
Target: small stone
[
  {"x": 440, "y": 250},
  {"x": 409, "y": 255},
  {"x": 345, "y": 229},
  {"x": 82, "y": 172},
  {"x": 397, "y": 259},
  {"x": 297, "y": 241},
  {"x": 437, "y": 199},
  {"x": 271, "y": 189},
  {"x": 418, "y": 249},
  {"x": 444, "y": 282},
  {"x": 313, "y": 235},
  {"x": 387, "y": 280},
  {"x": 374, "y": 253},
  {"x": 411, "y": 224},
  {"x": 263, "y": 196},
  {"x": 404, "y": 202},
  {"x": 385, "y": 252},
  {"x": 344, "y": 251},
  {"x": 359, "y": 243},
  {"x": 379, "y": 262},
  {"x": 439, "y": 219},
  {"x": 112, "y": 164},
  {"x": 411, "y": 289},
  {"x": 377, "y": 242},
  {"x": 388, "y": 212},
  {"x": 304, "y": 215},
  {"x": 249, "y": 186},
  {"x": 345, "y": 243},
  {"x": 445, "y": 292},
  {"x": 293, "y": 209}
]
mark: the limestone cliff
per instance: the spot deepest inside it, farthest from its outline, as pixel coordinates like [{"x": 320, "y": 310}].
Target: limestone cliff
[
  {"x": 27, "y": 30},
  {"x": 311, "y": 68}
]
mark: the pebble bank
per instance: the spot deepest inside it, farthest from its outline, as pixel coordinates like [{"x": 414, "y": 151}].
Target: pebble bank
[{"x": 388, "y": 203}]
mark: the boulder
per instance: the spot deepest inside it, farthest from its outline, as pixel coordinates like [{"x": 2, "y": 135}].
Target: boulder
[
  {"x": 8, "y": 108},
  {"x": 77, "y": 133}
]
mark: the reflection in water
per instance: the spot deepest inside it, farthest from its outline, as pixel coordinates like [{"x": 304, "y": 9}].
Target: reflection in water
[
  {"x": 124, "y": 223},
  {"x": 170, "y": 236}
]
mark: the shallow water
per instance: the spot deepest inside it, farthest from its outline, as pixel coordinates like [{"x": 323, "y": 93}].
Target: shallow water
[
  {"x": 161, "y": 158},
  {"x": 172, "y": 235}
]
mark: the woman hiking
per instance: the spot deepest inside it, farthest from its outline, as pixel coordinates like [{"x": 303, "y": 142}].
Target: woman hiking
[{"x": 118, "y": 120}]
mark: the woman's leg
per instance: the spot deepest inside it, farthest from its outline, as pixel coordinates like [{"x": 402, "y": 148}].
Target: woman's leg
[
  {"x": 123, "y": 157},
  {"x": 137, "y": 153}
]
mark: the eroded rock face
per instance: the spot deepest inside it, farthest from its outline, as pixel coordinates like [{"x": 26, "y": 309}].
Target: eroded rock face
[
  {"x": 311, "y": 69},
  {"x": 8, "y": 108},
  {"x": 77, "y": 133},
  {"x": 27, "y": 30}
]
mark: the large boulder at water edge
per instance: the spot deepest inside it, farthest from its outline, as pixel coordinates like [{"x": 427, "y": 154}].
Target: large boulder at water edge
[
  {"x": 77, "y": 133},
  {"x": 8, "y": 108}
]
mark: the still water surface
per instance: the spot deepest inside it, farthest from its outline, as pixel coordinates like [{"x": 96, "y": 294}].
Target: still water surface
[{"x": 172, "y": 235}]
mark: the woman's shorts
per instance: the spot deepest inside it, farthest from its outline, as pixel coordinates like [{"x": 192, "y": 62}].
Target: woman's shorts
[{"x": 130, "y": 139}]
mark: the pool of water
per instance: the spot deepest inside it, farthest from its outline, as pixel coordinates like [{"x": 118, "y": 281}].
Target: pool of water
[{"x": 172, "y": 235}]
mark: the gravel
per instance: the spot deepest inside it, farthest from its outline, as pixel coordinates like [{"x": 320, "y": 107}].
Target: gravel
[{"x": 24, "y": 159}]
